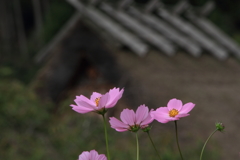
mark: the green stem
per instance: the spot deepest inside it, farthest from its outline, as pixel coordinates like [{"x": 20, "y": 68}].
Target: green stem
[
  {"x": 153, "y": 145},
  {"x": 137, "y": 146},
  {"x": 106, "y": 137},
  {"x": 207, "y": 142},
  {"x": 177, "y": 140}
]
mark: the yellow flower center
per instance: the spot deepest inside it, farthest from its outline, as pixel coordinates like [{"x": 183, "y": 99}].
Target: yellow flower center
[
  {"x": 173, "y": 113},
  {"x": 97, "y": 101}
]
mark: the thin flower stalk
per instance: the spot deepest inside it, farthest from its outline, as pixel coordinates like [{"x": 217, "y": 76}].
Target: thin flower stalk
[
  {"x": 154, "y": 145},
  {"x": 137, "y": 146},
  {"x": 207, "y": 142},
  {"x": 179, "y": 149},
  {"x": 219, "y": 127},
  {"x": 106, "y": 136}
]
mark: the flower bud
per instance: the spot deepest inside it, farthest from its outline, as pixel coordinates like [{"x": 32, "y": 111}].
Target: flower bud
[
  {"x": 219, "y": 126},
  {"x": 146, "y": 129}
]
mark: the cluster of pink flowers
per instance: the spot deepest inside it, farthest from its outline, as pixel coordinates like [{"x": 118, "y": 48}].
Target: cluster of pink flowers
[
  {"x": 143, "y": 117},
  {"x": 130, "y": 121}
]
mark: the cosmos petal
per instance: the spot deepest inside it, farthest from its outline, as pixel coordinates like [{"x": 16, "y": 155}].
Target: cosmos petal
[
  {"x": 102, "y": 157},
  {"x": 93, "y": 154},
  {"x": 103, "y": 100},
  {"x": 174, "y": 104},
  {"x": 83, "y": 98},
  {"x": 95, "y": 95},
  {"x": 81, "y": 109},
  {"x": 114, "y": 95},
  {"x": 141, "y": 113},
  {"x": 182, "y": 115},
  {"x": 147, "y": 120},
  {"x": 83, "y": 104},
  {"x": 128, "y": 117},
  {"x": 187, "y": 107},
  {"x": 118, "y": 125},
  {"x": 84, "y": 156}
]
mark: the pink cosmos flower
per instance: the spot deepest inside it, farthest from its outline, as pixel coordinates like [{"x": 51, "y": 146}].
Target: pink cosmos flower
[
  {"x": 92, "y": 155},
  {"x": 131, "y": 121},
  {"x": 174, "y": 111},
  {"x": 97, "y": 101}
]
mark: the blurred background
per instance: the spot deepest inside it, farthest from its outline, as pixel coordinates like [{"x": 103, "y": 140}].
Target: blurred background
[{"x": 53, "y": 50}]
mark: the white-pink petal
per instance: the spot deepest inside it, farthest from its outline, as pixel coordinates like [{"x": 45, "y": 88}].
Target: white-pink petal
[
  {"x": 102, "y": 157},
  {"x": 93, "y": 155},
  {"x": 84, "y": 155},
  {"x": 141, "y": 113},
  {"x": 128, "y": 116},
  {"x": 159, "y": 118},
  {"x": 147, "y": 120},
  {"x": 84, "y": 104},
  {"x": 85, "y": 99},
  {"x": 162, "y": 110},
  {"x": 94, "y": 96},
  {"x": 81, "y": 109},
  {"x": 187, "y": 107},
  {"x": 118, "y": 125},
  {"x": 161, "y": 115},
  {"x": 172, "y": 118},
  {"x": 174, "y": 104},
  {"x": 114, "y": 96},
  {"x": 103, "y": 100},
  {"x": 182, "y": 115}
]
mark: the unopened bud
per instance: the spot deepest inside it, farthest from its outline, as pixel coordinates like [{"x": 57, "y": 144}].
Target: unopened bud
[
  {"x": 146, "y": 128},
  {"x": 219, "y": 126}
]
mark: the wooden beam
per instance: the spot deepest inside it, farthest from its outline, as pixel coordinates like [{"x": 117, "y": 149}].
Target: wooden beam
[
  {"x": 215, "y": 33},
  {"x": 142, "y": 31},
  {"x": 122, "y": 35},
  {"x": 207, "y": 8},
  {"x": 168, "y": 31},
  {"x": 44, "y": 52},
  {"x": 152, "y": 5},
  {"x": 124, "y": 4},
  {"x": 187, "y": 28},
  {"x": 180, "y": 7}
]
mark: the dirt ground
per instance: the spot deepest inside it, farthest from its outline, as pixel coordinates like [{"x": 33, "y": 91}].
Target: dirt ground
[{"x": 213, "y": 85}]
